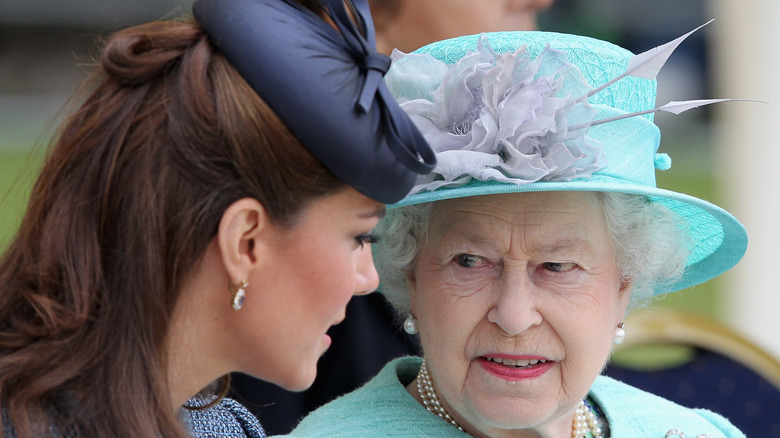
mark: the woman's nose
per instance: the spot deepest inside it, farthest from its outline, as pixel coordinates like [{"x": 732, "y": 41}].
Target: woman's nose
[
  {"x": 367, "y": 279},
  {"x": 516, "y": 306}
]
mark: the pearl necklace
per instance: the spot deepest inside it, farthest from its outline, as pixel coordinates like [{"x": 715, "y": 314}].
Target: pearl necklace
[
  {"x": 429, "y": 398},
  {"x": 584, "y": 420}
]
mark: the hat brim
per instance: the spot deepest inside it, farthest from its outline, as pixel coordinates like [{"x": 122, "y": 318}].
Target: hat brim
[{"x": 720, "y": 239}]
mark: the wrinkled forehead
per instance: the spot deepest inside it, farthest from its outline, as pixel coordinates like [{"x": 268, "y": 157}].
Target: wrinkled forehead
[{"x": 546, "y": 219}]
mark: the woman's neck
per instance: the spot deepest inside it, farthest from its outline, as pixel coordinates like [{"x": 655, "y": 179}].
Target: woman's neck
[{"x": 194, "y": 359}]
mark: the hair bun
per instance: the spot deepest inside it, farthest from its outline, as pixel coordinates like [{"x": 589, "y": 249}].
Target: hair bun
[{"x": 141, "y": 53}]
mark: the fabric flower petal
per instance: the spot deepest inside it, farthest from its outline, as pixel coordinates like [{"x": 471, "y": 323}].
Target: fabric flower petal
[{"x": 505, "y": 117}]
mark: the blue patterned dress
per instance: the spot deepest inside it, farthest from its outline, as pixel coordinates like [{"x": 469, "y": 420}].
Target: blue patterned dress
[{"x": 227, "y": 419}]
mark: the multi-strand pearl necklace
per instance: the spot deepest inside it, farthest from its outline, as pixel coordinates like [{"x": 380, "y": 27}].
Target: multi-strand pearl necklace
[
  {"x": 428, "y": 395},
  {"x": 584, "y": 420}
]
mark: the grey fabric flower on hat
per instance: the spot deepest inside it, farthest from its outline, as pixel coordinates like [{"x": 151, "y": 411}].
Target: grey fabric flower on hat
[{"x": 503, "y": 117}]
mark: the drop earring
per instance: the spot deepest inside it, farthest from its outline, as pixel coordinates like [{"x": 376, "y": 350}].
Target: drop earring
[
  {"x": 239, "y": 294},
  {"x": 620, "y": 334},
  {"x": 410, "y": 325}
]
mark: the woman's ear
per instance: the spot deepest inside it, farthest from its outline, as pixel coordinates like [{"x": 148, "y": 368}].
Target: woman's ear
[
  {"x": 411, "y": 284},
  {"x": 624, "y": 294},
  {"x": 242, "y": 236},
  {"x": 411, "y": 278}
]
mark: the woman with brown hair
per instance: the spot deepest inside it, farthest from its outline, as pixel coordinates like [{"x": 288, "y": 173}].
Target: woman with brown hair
[{"x": 202, "y": 211}]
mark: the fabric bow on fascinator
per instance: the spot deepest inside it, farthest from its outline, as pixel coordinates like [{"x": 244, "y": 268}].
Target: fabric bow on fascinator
[
  {"x": 325, "y": 84},
  {"x": 511, "y": 112}
]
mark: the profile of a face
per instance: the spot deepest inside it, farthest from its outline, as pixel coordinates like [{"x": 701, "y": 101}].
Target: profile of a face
[
  {"x": 318, "y": 264},
  {"x": 517, "y": 298}
]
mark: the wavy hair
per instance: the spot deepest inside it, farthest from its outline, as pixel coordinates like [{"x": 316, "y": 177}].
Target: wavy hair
[
  {"x": 167, "y": 136},
  {"x": 651, "y": 246}
]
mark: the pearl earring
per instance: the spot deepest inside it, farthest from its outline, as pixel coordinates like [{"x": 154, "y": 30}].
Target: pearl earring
[
  {"x": 410, "y": 325},
  {"x": 620, "y": 334},
  {"x": 239, "y": 294}
]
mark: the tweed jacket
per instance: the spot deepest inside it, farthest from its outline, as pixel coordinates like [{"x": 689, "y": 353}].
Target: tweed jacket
[{"x": 227, "y": 419}]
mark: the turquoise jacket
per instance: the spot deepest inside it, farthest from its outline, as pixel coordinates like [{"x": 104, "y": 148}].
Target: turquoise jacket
[{"x": 382, "y": 407}]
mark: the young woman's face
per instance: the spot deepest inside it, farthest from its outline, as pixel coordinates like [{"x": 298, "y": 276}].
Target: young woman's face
[
  {"x": 517, "y": 298},
  {"x": 314, "y": 268}
]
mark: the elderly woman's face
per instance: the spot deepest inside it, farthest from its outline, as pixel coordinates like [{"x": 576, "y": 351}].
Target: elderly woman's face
[{"x": 517, "y": 297}]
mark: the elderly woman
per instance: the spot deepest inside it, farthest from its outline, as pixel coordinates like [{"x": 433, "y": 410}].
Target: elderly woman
[{"x": 518, "y": 259}]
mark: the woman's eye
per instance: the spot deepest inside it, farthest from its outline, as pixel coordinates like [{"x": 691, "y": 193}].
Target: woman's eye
[
  {"x": 559, "y": 266},
  {"x": 468, "y": 260},
  {"x": 366, "y": 239}
]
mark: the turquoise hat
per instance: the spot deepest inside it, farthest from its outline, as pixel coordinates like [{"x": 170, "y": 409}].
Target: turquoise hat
[{"x": 514, "y": 112}]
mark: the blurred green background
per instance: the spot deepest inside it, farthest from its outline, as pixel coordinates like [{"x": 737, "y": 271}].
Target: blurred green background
[{"x": 18, "y": 170}]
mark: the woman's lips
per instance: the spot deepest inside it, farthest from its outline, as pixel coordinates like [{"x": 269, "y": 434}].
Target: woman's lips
[{"x": 514, "y": 368}]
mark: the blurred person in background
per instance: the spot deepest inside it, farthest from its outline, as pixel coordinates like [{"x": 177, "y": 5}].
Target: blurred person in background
[{"x": 407, "y": 25}]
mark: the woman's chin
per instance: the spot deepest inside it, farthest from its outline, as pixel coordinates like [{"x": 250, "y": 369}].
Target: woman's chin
[
  {"x": 509, "y": 400},
  {"x": 301, "y": 382},
  {"x": 307, "y": 369},
  {"x": 492, "y": 418},
  {"x": 297, "y": 378}
]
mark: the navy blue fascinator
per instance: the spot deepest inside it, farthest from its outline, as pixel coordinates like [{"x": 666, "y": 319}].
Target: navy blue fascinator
[{"x": 326, "y": 85}]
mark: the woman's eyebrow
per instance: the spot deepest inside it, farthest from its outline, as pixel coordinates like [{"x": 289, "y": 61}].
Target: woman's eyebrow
[
  {"x": 575, "y": 244},
  {"x": 379, "y": 212}
]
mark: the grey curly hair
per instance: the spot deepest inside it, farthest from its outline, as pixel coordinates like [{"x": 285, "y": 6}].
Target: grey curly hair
[{"x": 651, "y": 246}]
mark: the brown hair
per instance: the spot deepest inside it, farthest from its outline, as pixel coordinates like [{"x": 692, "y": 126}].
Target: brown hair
[{"x": 128, "y": 199}]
